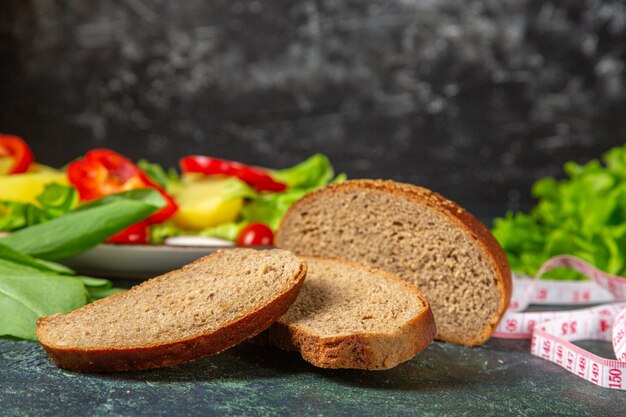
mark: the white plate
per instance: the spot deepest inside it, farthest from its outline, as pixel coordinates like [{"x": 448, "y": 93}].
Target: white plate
[{"x": 135, "y": 261}]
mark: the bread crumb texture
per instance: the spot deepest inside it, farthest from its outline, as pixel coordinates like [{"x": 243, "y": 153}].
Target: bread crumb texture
[
  {"x": 349, "y": 315},
  {"x": 337, "y": 300},
  {"x": 415, "y": 234},
  {"x": 197, "y": 299}
]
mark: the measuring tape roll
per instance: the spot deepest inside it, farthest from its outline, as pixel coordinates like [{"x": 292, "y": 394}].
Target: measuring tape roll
[{"x": 551, "y": 332}]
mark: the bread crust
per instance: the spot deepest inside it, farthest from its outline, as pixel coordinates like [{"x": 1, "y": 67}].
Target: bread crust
[
  {"x": 115, "y": 359},
  {"x": 479, "y": 232},
  {"x": 369, "y": 351}
]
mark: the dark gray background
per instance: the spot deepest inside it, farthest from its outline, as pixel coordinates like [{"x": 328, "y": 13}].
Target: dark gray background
[{"x": 475, "y": 99}]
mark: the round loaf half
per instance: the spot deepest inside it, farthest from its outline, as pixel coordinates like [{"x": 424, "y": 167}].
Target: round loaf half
[{"x": 417, "y": 234}]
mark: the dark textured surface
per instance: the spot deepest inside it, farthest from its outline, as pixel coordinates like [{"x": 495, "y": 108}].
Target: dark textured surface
[
  {"x": 473, "y": 99},
  {"x": 499, "y": 379}
]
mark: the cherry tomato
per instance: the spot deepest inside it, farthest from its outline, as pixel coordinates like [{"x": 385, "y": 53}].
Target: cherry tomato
[
  {"x": 136, "y": 233},
  {"x": 255, "y": 234}
]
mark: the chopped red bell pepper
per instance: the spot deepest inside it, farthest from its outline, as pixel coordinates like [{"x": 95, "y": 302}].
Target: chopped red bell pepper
[
  {"x": 257, "y": 178},
  {"x": 102, "y": 172},
  {"x": 136, "y": 233},
  {"x": 17, "y": 149}
]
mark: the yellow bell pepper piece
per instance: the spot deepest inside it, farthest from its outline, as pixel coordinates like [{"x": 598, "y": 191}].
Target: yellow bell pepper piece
[
  {"x": 206, "y": 201},
  {"x": 41, "y": 168},
  {"x": 25, "y": 187},
  {"x": 6, "y": 164}
]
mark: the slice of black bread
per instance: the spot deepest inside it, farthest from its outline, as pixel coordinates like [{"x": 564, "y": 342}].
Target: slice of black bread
[
  {"x": 417, "y": 234},
  {"x": 198, "y": 310},
  {"x": 349, "y": 315}
]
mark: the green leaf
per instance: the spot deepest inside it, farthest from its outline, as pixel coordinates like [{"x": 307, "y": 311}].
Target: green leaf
[
  {"x": 270, "y": 208},
  {"x": 21, "y": 305},
  {"x": 58, "y": 199},
  {"x": 13, "y": 216},
  {"x": 583, "y": 215},
  {"x": 99, "y": 293},
  {"x": 147, "y": 196},
  {"x": 9, "y": 254},
  {"x": 341, "y": 177},
  {"x": 26, "y": 295},
  {"x": 160, "y": 232},
  {"x": 54, "y": 201},
  {"x": 314, "y": 172},
  {"x": 228, "y": 231},
  {"x": 158, "y": 174},
  {"x": 95, "y": 283},
  {"x": 82, "y": 229}
]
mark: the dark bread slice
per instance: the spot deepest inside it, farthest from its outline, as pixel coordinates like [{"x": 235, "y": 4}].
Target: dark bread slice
[
  {"x": 349, "y": 315},
  {"x": 417, "y": 234},
  {"x": 198, "y": 310}
]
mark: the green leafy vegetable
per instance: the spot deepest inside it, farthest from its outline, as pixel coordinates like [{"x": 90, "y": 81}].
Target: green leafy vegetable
[
  {"x": 54, "y": 201},
  {"x": 146, "y": 196},
  {"x": 82, "y": 229},
  {"x": 58, "y": 199},
  {"x": 98, "y": 288},
  {"x": 271, "y": 208},
  {"x": 158, "y": 174},
  {"x": 21, "y": 260},
  {"x": 9, "y": 254},
  {"x": 314, "y": 173},
  {"x": 13, "y": 215},
  {"x": 160, "y": 232},
  {"x": 26, "y": 295},
  {"x": 228, "y": 231},
  {"x": 31, "y": 288},
  {"x": 99, "y": 293},
  {"x": 583, "y": 215}
]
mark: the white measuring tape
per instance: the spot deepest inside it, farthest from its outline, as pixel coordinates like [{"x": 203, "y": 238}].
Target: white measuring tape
[{"x": 553, "y": 331}]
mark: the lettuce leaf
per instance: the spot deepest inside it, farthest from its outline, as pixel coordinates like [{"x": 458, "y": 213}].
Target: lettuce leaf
[
  {"x": 165, "y": 178},
  {"x": 315, "y": 172},
  {"x": 583, "y": 215},
  {"x": 270, "y": 208},
  {"x": 54, "y": 201},
  {"x": 228, "y": 231}
]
